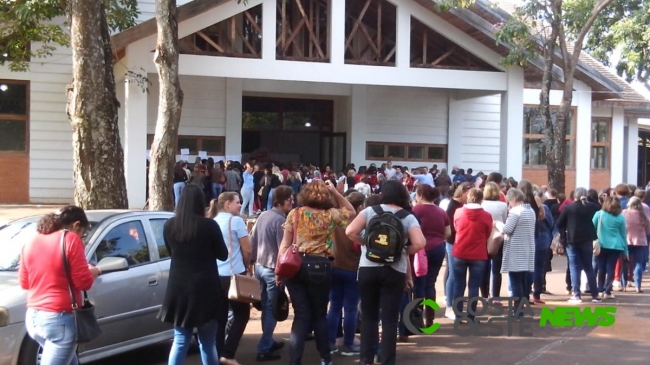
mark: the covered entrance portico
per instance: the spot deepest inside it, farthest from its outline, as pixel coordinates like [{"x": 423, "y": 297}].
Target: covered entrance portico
[{"x": 414, "y": 106}]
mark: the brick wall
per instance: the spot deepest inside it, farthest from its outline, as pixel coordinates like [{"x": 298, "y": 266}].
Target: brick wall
[
  {"x": 539, "y": 176},
  {"x": 600, "y": 179},
  {"x": 14, "y": 184}
]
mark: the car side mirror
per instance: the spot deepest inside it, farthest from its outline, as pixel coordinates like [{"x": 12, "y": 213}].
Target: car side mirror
[{"x": 112, "y": 264}]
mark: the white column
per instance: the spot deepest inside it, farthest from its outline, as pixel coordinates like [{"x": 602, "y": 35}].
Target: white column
[
  {"x": 337, "y": 32},
  {"x": 269, "y": 33},
  {"x": 403, "y": 56},
  {"x": 583, "y": 134},
  {"x": 616, "y": 152},
  {"x": 135, "y": 129},
  {"x": 233, "y": 116},
  {"x": 455, "y": 131},
  {"x": 357, "y": 137},
  {"x": 632, "y": 151},
  {"x": 512, "y": 125}
]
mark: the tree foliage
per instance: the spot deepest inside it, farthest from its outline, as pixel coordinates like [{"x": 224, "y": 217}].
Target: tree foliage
[
  {"x": 34, "y": 28},
  {"x": 559, "y": 30}
]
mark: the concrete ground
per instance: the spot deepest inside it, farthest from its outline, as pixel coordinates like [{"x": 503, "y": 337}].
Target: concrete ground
[{"x": 625, "y": 342}]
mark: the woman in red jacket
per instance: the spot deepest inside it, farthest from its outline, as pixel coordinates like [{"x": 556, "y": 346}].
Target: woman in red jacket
[
  {"x": 473, "y": 227},
  {"x": 49, "y": 319}
]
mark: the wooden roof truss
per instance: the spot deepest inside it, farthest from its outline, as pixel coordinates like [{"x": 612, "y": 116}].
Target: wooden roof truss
[
  {"x": 237, "y": 36},
  {"x": 370, "y": 32},
  {"x": 303, "y": 32}
]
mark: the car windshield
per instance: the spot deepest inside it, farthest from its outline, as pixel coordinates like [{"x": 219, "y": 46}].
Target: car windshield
[{"x": 13, "y": 236}]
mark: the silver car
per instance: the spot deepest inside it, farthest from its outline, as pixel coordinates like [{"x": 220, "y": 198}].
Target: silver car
[{"x": 128, "y": 243}]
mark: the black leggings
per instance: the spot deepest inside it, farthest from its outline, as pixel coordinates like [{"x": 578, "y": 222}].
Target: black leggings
[
  {"x": 381, "y": 290},
  {"x": 241, "y": 315}
]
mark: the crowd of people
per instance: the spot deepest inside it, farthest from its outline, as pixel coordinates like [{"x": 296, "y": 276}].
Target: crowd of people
[{"x": 341, "y": 288}]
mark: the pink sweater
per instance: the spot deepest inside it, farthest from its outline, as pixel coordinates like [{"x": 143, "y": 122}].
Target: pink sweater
[{"x": 637, "y": 228}]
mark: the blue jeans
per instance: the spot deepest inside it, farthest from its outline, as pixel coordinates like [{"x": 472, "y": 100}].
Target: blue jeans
[
  {"x": 344, "y": 295},
  {"x": 541, "y": 256},
  {"x": 579, "y": 255},
  {"x": 247, "y": 201},
  {"x": 425, "y": 286},
  {"x": 269, "y": 201},
  {"x": 207, "y": 344},
  {"x": 519, "y": 285},
  {"x": 449, "y": 285},
  {"x": 216, "y": 190},
  {"x": 55, "y": 332},
  {"x": 637, "y": 253},
  {"x": 460, "y": 268},
  {"x": 606, "y": 264},
  {"x": 178, "y": 188},
  {"x": 266, "y": 276}
]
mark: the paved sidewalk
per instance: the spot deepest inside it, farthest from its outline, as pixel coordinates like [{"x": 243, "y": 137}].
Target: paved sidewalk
[{"x": 11, "y": 212}]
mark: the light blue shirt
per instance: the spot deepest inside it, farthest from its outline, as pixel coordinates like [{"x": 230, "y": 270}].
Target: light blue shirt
[
  {"x": 426, "y": 179},
  {"x": 248, "y": 181},
  {"x": 232, "y": 237}
]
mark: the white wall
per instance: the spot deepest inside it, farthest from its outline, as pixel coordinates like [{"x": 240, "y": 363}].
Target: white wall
[
  {"x": 480, "y": 136},
  {"x": 204, "y": 106},
  {"x": 147, "y": 8},
  {"x": 404, "y": 115},
  {"x": 50, "y": 154}
]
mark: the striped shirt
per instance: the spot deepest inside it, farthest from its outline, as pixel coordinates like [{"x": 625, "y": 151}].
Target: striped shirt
[{"x": 519, "y": 245}]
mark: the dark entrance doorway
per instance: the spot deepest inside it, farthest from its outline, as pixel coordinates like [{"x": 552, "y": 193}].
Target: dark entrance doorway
[
  {"x": 291, "y": 130},
  {"x": 643, "y": 175}
]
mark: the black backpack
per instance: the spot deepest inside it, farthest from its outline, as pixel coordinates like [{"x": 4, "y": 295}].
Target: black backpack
[{"x": 385, "y": 236}]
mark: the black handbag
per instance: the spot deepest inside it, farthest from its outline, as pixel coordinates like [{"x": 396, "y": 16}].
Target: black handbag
[
  {"x": 85, "y": 322},
  {"x": 280, "y": 305}
]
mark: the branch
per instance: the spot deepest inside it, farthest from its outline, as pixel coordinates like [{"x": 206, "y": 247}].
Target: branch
[{"x": 585, "y": 29}]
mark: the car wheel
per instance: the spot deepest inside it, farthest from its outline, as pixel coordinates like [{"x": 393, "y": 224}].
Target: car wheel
[{"x": 30, "y": 352}]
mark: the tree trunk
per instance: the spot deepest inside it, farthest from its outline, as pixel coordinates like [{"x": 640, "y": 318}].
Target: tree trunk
[
  {"x": 553, "y": 139},
  {"x": 92, "y": 109},
  {"x": 170, "y": 102}
]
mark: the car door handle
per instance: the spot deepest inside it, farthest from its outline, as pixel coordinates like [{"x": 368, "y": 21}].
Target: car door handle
[{"x": 153, "y": 280}]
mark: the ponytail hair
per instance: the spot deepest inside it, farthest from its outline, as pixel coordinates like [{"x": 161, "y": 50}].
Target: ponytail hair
[
  {"x": 213, "y": 211},
  {"x": 66, "y": 216},
  {"x": 580, "y": 194}
]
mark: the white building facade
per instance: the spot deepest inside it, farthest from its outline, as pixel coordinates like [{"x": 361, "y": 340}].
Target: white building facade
[{"x": 355, "y": 81}]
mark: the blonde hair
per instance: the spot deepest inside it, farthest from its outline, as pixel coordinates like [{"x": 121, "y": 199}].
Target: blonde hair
[
  {"x": 475, "y": 195},
  {"x": 491, "y": 191},
  {"x": 218, "y": 205}
]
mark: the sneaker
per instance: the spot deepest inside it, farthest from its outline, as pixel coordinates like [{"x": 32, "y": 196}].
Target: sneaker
[
  {"x": 268, "y": 356},
  {"x": 575, "y": 300},
  {"x": 350, "y": 350},
  {"x": 277, "y": 346},
  {"x": 596, "y": 300},
  {"x": 449, "y": 313},
  {"x": 333, "y": 348},
  {"x": 609, "y": 296},
  {"x": 616, "y": 283}
]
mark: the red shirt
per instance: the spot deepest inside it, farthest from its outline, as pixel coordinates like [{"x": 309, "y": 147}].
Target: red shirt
[
  {"x": 42, "y": 273},
  {"x": 502, "y": 197},
  {"x": 473, "y": 228}
]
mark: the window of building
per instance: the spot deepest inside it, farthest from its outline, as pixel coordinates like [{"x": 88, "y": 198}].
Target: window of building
[
  {"x": 14, "y": 116},
  {"x": 600, "y": 142},
  {"x": 534, "y": 146},
  {"x": 383, "y": 151},
  {"x": 214, "y": 146}
]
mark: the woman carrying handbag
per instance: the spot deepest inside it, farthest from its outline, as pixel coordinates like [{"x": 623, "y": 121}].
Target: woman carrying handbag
[
  {"x": 235, "y": 234},
  {"x": 50, "y": 319},
  {"x": 309, "y": 289}
]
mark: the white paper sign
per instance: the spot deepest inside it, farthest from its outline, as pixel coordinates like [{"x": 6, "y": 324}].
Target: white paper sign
[
  {"x": 203, "y": 154},
  {"x": 185, "y": 157},
  {"x": 185, "y": 151}
]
